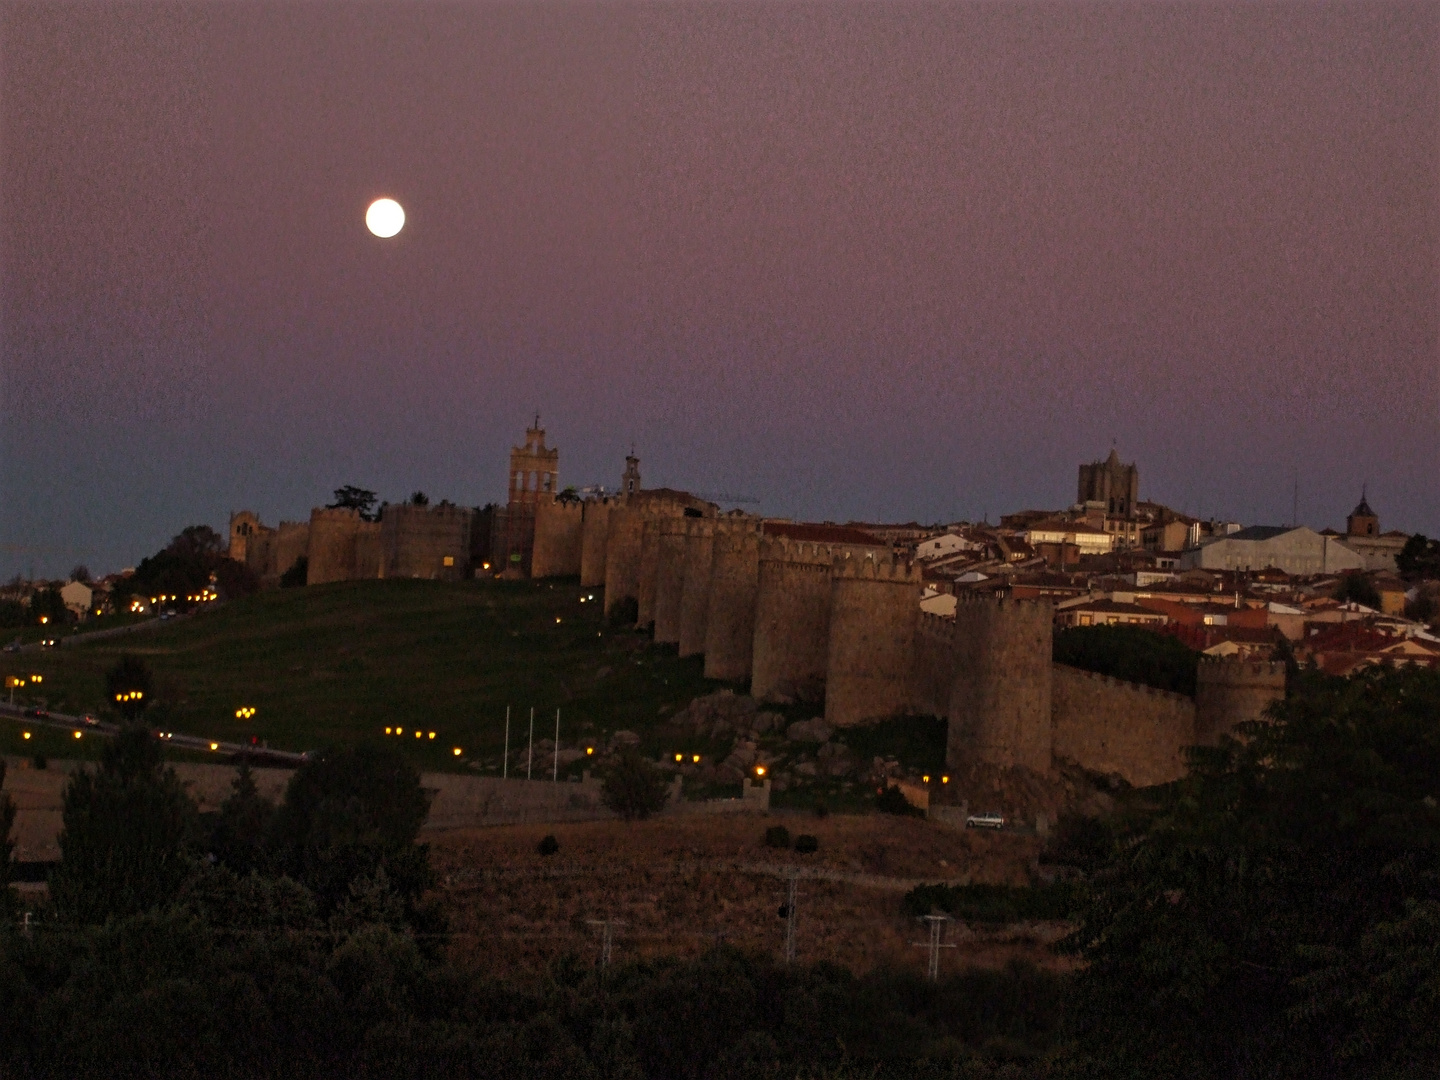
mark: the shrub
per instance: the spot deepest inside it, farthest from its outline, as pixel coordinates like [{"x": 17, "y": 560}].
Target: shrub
[
  {"x": 297, "y": 575},
  {"x": 891, "y": 801},
  {"x": 992, "y": 903},
  {"x": 549, "y": 845},
  {"x": 626, "y": 612},
  {"x": 777, "y": 836},
  {"x": 634, "y": 788},
  {"x": 805, "y": 844}
]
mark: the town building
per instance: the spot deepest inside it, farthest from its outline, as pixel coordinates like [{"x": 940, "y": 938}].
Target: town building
[{"x": 1295, "y": 550}]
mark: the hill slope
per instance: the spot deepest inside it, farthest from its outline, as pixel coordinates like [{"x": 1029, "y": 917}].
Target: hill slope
[{"x": 337, "y": 662}]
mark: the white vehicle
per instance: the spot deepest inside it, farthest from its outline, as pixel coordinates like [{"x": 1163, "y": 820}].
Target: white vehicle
[{"x": 989, "y": 820}]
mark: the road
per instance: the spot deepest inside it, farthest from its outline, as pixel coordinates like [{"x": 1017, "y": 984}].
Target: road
[{"x": 66, "y": 722}]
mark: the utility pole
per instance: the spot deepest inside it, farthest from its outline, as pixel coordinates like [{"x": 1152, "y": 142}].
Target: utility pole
[
  {"x": 505, "y": 761},
  {"x": 787, "y": 912},
  {"x": 555, "y": 771},
  {"x": 530, "y": 753},
  {"x": 607, "y": 927},
  {"x": 937, "y": 930}
]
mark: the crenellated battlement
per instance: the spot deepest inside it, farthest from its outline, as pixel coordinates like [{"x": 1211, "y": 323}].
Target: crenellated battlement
[
  {"x": 782, "y": 549},
  {"x": 869, "y": 567},
  {"x": 939, "y": 627},
  {"x": 1229, "y": 669},
  {"x": 1125, "y": 685}
]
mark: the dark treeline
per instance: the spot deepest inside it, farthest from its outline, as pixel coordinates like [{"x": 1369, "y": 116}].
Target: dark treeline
[{"x": 1275, "y": 915}]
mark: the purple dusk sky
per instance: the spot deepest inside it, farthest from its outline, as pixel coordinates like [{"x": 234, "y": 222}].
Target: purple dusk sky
[{"x": 879, "y": 260}]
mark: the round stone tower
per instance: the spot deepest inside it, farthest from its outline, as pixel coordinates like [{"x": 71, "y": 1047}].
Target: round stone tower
[
  {"x": 874, "y": 608},
  {"x": 734, "y": 579},
  {"x": 669, "y": 578},
  {"x": 333, "y": 533},
  {"x": 594, "y": 533},
  {"x": 1000, "y": 700},
  {"x": 1230, "y": 691},
  {"x": 792, "y": 620},
  {"x": 649, "y": 566},
  {"x": 622, "y": 555},
  {"x": 695, "y": 596}
]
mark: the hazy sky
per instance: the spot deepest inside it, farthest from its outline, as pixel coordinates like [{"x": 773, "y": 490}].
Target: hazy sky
[{"x": 882, "y": 261}]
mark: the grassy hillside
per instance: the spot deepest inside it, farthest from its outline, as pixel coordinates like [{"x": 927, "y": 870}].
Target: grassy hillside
[{"x": 337, "y": 662}]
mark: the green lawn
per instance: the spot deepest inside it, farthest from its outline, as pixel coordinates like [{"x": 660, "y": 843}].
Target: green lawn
[{"x": 338, "y": 662}]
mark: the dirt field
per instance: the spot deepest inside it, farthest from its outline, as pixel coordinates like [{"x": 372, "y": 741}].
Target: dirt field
[{"x": 677, "y": 883}]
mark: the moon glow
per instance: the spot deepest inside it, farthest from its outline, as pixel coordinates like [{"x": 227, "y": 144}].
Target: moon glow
[{"x": 385, "y": 218}]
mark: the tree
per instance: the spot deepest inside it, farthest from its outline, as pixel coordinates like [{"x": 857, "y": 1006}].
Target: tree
[
  {"x": 297, "y": 575},
  {"x": 350, "y": 813},
  {"x": 1356, "y": 588},
  {"x": 419, "y": 498},
  {"x": 1131, "y": 653},
  {"x": 350, "y": 497},
  {"x": 47, "y": 606},
  {"x": 129, "y": 830},
  {"x": 7, "y": 846},
  {"x": 130, "y": 687},
  {"x": 634, "y": 788},
  {"x": 1276, "y": 917},
  {"x": 80, "y": 572},
  {"x": 238, "y": 836},
  {"x": 1419, "y": 558},
  {"x": 196, "y": 543}
]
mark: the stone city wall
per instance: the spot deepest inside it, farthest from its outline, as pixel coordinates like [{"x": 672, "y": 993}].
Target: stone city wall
[
  {"x": 1230, "y": 692},
  {"x": 1000, "y": 700},
  {"x": 670, "y": 551},
  {"x": 874, "y": 611},
  {"x": 1120, "y": 728},
  {"x": 430, "y": 542},
  {"x": 734, "y": 583},
  {"x": 792, "y": 621},
  {"x": 695, "y": 593},
  {"x": 594, "y": 533},
  {"x": 559, "y": 539}
]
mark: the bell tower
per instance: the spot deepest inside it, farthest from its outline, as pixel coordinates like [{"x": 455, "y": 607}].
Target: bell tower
[{"x": 534, "y": 469}]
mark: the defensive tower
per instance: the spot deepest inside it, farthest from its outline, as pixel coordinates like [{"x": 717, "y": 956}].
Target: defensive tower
[
  {"x": 734, "y": 580},
  {"x": 669, "y": 578},
  {"x": 622, "y": 555},
  {"x": 594, "y": 531},
  {"x": 1230, "y": 691},
  {"x": 792, "y": 620},
  {"x": 695, "y": 595},
  {"x": 874, "y": 609},
  {"x": 1000, "y": 701},
  {"x": 558, "y": 538}
]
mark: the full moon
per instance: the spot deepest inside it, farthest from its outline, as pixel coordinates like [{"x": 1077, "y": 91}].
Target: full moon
[{"x": 385, "y": 218}]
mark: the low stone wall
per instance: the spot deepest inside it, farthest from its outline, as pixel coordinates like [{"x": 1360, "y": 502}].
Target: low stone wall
[
  {"x": 459, "y": 802},
  {"x": 1120, "y": 728}
]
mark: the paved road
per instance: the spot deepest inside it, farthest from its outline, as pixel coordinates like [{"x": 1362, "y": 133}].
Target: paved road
[{"x": 66, "y": 722}]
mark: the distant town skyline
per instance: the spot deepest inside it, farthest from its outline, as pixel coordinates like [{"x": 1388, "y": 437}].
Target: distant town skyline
[{"x": 870, "y": 262}]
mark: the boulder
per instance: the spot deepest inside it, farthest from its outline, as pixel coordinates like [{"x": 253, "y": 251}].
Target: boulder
[{"x": 815, "y": 731}]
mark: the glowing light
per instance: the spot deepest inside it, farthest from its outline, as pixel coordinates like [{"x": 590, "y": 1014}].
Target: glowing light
[
  {"x": 696, "y": 759},
  {"x": 77, "y": 734},
  {"x": 399, "y": 731},
  {"x": 432, "y": 734},
  {"x": 214, "y": 746},
  {"x": 37, "y": 678},
  {"x": 44, "y": 619},
  {"x": 589, "y": 749},
  {"x": 27, "y": 734},
  {"x": 456, "y": 751},
  {"x": 679, "y": 757},
  {"x": 387, "y": 731},
  {"x": 759, "y": 770},
  {"x": 925, "y": 779},
  {"x": 385, "y": 218},
  {"x": 557, "y": 618},
  {"x": 417, "y": 734},
  {"x": 944, "y": 779}
]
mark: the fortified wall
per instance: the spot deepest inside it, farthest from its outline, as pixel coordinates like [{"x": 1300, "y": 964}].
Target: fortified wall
[
  {"x": 267, "y": 551},
  {"x": 559, "y": 538},
  {"x": 839, "y": 622},
  {"x": 430, "y": 542}
]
